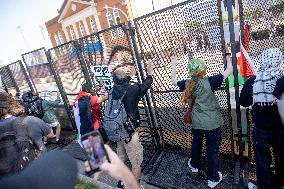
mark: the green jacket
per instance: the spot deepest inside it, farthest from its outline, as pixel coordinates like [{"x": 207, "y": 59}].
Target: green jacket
[
  {"x": 206, "y": 113},
  {"x": 49, "y": 110}
]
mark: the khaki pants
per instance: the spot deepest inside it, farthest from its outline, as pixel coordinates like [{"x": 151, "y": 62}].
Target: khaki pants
[{"x": 133, "y": 149}]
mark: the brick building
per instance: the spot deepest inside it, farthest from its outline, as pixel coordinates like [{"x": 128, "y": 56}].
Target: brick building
[{"x": 78, "y": 18}]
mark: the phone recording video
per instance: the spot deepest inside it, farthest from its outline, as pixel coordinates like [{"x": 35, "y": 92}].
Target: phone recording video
[{"x": 93, "y": 144}]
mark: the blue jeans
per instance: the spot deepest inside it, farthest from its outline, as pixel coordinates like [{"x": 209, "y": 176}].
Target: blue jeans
[
  {"x": 263, "y": 140},
  {"x": 213, "y": 138}
]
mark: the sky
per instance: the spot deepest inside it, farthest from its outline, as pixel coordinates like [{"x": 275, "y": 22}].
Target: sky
[{"x": 29, "y": 15}]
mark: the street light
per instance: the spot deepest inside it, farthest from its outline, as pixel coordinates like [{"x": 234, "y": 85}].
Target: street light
[
  {"x": 22, "y": 34},
  {"x": 108, "y": 7},
  {"x": 42, "y": 33}
]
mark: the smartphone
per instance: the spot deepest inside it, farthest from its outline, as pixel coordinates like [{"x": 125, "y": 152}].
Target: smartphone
[{"x": 93, "y": 144}]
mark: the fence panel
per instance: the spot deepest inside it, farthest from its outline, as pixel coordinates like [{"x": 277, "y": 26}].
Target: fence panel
[
  {"x": 8, "y": 80},
  {"x": 39, "y": 70},
  {"x": 20, "y": 76},
  {"x": 192, "y": 29},
  {"x": 68, "y": 67},
  {"x": 97, "y": 49}
]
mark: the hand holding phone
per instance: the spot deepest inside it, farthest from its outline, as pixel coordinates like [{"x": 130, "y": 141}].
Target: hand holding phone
[
  {"x": 93, "y": 144},
  {"x": 117, "y": 169}
]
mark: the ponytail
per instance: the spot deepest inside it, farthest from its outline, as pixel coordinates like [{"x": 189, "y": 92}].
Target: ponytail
[{"x": 187, "y": 94}]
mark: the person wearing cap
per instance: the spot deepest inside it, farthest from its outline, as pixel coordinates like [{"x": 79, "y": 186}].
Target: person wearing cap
[
  {"x": 48, "y": 105},
  {"x": 261, "y": 92},
  {"x": 206, "y": 114},
  {"x": 87, "y": 110}
]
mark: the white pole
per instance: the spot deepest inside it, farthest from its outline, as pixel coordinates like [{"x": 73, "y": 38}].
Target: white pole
[{"x": 22, "y": 34}]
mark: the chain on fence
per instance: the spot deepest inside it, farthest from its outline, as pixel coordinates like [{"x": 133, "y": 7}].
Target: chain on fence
[{"x": 189, "y": 30}]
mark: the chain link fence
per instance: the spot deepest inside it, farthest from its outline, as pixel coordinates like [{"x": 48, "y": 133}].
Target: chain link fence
[{"x": 190, "y": 30}]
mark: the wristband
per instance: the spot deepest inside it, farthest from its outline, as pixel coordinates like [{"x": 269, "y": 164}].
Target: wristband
[{"x": 228, "y": 54}]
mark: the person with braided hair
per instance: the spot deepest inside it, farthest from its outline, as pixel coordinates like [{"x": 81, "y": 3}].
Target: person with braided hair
[{"x": 206, "y": 114}]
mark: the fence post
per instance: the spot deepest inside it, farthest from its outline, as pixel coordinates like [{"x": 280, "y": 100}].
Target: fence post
[
  {"x": 61, "y": 90},
  {"x": 237, "y": 98},
  {"x": 12, "y": 79},
  {"x": 83, "y": 64},
  {"x": 153, "y": 118},
  {"x": 26, "y": 75}
]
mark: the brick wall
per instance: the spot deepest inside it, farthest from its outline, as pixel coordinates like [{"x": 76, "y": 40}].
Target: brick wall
[{"x": 54, "y": 27}]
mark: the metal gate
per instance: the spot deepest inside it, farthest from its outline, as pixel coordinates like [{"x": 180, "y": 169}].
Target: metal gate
[{"x": 177, "y": 30}]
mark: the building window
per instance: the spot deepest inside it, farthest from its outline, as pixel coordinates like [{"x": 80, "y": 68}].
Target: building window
[
  {"x": 57, "y": 41},
  {"x": 82, "y": 30},
  {"x": 60, "y": 38},
  {"x": 73, "y": 36},
  {"x": 116, "y": 16},
  {"x": 93, "y": 26},
  {"x": 109, "y": 19}
]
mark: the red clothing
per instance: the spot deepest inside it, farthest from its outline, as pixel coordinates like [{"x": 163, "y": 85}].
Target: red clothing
[{"x": 96, "y": 109}]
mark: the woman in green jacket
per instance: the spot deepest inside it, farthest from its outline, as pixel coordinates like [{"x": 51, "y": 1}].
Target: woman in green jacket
[{"x": 206, "y": 114}]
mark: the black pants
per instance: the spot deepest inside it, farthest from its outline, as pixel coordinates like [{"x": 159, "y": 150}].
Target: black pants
[
  {"x": 263, "y": 140},
  {"x": 213, "y": 138}
]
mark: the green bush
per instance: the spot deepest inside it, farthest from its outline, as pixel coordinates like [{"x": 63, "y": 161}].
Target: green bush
[{"x": 85, "y": 185}]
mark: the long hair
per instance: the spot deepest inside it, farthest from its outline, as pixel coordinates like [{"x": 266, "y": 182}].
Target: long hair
[
  {"x": 8, "y": 105},
  {"x": 187, "y": 94}
]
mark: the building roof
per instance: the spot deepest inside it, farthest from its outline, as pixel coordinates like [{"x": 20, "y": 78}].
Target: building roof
[{"x": 60, "y": 11}]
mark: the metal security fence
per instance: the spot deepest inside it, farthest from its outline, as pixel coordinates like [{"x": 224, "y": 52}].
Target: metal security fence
[
  {"x": 98, "y": 52},
  {"x": 9, "y": 81},
  {"x": 191, "y": 29},
  {"x": 39, "y": 71},
  {"x": 65, "y": 59},
  {"x": 20, "y": 76}
]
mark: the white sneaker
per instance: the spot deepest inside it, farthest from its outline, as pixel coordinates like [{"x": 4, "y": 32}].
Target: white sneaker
[
  {"x": 193, "y": 170},
  {"x": 213, "y": 184},
  {"x": 251, "y": 186}
]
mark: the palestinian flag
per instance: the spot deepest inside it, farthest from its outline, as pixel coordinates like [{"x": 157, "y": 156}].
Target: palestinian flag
[{"x": 246, "y": 68}]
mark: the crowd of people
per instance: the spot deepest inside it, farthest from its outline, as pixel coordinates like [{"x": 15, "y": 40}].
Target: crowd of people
[{"x": 24, "y": 127}]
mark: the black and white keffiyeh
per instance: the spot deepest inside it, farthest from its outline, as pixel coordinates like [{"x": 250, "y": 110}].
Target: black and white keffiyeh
[{"x": 269, "y": 72}]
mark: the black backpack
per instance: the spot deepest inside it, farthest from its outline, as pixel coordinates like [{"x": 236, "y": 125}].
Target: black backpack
[
  {"x": 86, "y": 115},
  {"x": 33, "y": 105},
  {"x": 15, "y": 152}
]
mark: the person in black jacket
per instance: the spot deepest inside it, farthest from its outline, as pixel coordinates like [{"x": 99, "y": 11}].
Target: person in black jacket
[
  {"x": 133, "y": 148},
  {"x": 268, "y": 129}
]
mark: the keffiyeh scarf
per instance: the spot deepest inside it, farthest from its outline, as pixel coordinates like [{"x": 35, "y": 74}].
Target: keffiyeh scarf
[{"x": 269, "y": 72}]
